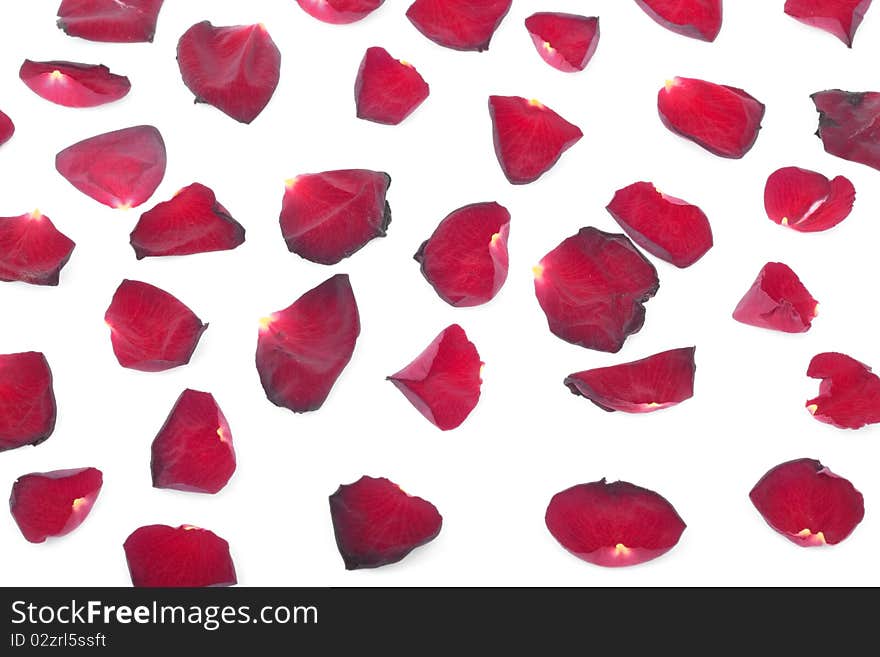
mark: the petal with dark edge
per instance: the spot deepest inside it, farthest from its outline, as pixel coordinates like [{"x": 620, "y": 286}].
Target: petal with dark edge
[
  {"x": 387, "y": 90},
  {"x": 73, "y": 85},
  {"x": 849, "y": 395},
  {"x": 807, "y": 201},
  {"x": 838, "y": 17},
  {"x": 27, "y": 400},
  {"x": 339, "y": 12},
  {"x": 778, "y": 301},
  {"x": 111, "y": 21},
  {"x": 49, "y": 504},
  {"x": 565, "y": 41},
  {"x": 848, "y": 124},
  {"x": 698, "y": 19},
  {"x": 32, "y": 250},
  {"x": 459, "y": 24}
]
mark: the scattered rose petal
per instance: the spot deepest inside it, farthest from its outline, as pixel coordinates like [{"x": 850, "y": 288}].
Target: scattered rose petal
[
  {"x": 185, "y": 556},
  {"x": 839, "y": 17},
  {"x": 191, "y": 222},
  {"x": 459, "y": 24},
  {"x": 465, "y": 259},
  {"x": 377, "y": 524},
  {"x": 778, "y": 301},
  {"x": 443, "y": 382},
  {"x": 73, "y": 85},
  {"x": 529, "y": 137},
  {"x": 27, "y": 400},
  {"x": 121, "y": 169},
  {"x": 48, "y": 504},
  {"x": 7, "y": 128},
  {"x": 387, "y": 90},
  {"x": 807, "y": 503},
  {"x": 303, "y": 349},
  {"x": 565, "y": 41},
  {"x": 615, "y": 524},
  {"x": 112, "y": 21},
  {"x": 150, "y": 329},
  {"x": 849, "y": 395},
  {"x": 592, "y": 288},
  {"x": 847, "y": 123},
  {"x": 807, "y": 201},
  {"x": 235, "y": 69},
  {"x": 328, "y": 216},
  {"x": 642, "y": 386},
  {"x": 698, "y": 19},
  {"x": 665, "y": 226},
  {"x": 339, "y": 12},
  {"x": 32, "y": 250},
  {"x": 193, "y": 449},
  {"x": 723, "y": 120}
]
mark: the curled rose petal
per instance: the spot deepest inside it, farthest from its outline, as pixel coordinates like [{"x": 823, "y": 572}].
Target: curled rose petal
[
  {"x": 27, "y": 400},
  {"x": 565, "y": 41},
  {"x": 112, "y": 21},
  {"x": 458, "y": 24},
  {"x": 339, "y": 12},
  {"x": 32, "y": 250},
  {"x": 73, "y": 85},
  {"x": 849, "y": 395},
  {"x": 7, "y": 128},
  {"x": 838, "y": 17},
  {"x": 387, "y": 90},
  {"x": 807, "y": 201},
  {"x": 698, "y": 19},
  {"x": 778, "y": 301},
  {"x": 847, "y": 121},
  {"x": 48, "y": 504}
]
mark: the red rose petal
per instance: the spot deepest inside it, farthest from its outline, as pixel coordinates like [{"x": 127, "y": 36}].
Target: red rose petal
[
  {"x": 150, "y": 329},
  {"x": 377, "y": 524},
  {"x": 46, "y": 504},
  {"x": 303, "y": 349},
  {"x": 642, "y": 386},
  {"x": 191, "y": 222},
  {"x": 387, "y": 90},
  {"x": 7, "y": 128},
  {"x": 110, "y": 20},
  {"x": 847, "y": 123},
  {"x": 328, "y": 216},
  {"x": 849, "y": 395},
  {"x": 193, "y": 449},
  {"x": 778, "y": 301},
  {"x": 615, "y": 524},
  {"x": 723, "y": 120},
  {"x": 565, "y": 41},
  {"x": 529, "y": 137},
  {"x": 592, "y": 288},
  {"x": 465, "y": 259},
  {"x": 27, "y": 400},
  {"x": 459, "y": 24},
  {"x": 699, "y": 19},
  {"x": 32, "y": 250},
  {"x": 839, "y": 17},
  {"x": 807, "y": 503},
  {"x": 235, "y": 69},
  {"x": 73, "y": 85},
  {"x": 443, "y": 382},
  {"x": 339, "y": 12},
  {"x": 807, "y": 201},
  {"x": 121, "y": 169},
  {"x": 159, "y": 555},
  {"x": 665, "y": 226}
]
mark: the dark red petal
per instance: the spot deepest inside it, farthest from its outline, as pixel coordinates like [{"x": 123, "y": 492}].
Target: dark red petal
[
  {"x": 46, "y": 504},
  {"x": 615, "y": 524},
  {"x": 73, "y": 85},
  {"x": 7, "y": 128},
  {"x": 376, "y": 523},
  {"x": 303, "y": 349},
  {"x": 443, "y": 382},
  {"x": 592, "y": 287},
  {"x": 529, "y": 137},
  {"x": 110, "y": 20},
  {"x": 665, "y": 226},
  {"x": 32, "y": 250},
  {"x": 565, "y": 41},
  {"x": 642, "y": 386},
  {"x": 778, "y": 301},
  {"x": 328, "y": 216},
  {"x": 235, "y": 69},
  {"x": 387, "y": 90},
  {"x": 339, "y": 12},
  {"x": 459, "y": 24},
  {"x": 151, "y": 330},
  {"x": 191, "y": 222},
  {"x": 849, "y": 395},
  {"x": 159, "y": 555},
  {"x": 807, "y": 201},
  {"x": 723, "y": 120},
  {"x": 807, "y": 503},
  {"x": 27, "y": 400},
  {"x": 121, "y": 169},
  {"x": 839, "y": 17},
  {"x": 699, "y": 19},
  {"x": 848, "y": 124},
  {"x": 465, "y": 259},
  {"x": 193, "y": 449}
]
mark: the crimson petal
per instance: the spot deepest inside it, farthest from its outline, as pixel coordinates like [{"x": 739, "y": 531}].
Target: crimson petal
[
  {"x": 847, "y": 123},
  {"x": 849, "y": 395},
  {"x": 565, "y": 41},
  {"x": 303, "y": 349},
  {"x": 185, "y": 556},
  {"x": 807, "y": 503},
  {"x": 7, "y": 128},
  {"x": 377, "y": 524},
  {"x": 32, "y": 250},
  {"x": 150, "y": 329},
  {"x": 443, "y": 382},
  {"x": 73, "y": 85},
  {"x": 459, "y": 24},
  {"x": 339, "y": 12},
  {"x": 27, "y": 400},
  {"x": 839, "y": 17},
  {"x": 616, "y": 524},
  {"x": 778, "y": 301},
  {"x": 698, "y": 19},
  {"x": 807, "y": 201},
  {"x": 387, "y": 90},
  {"x": 55, "y": 503},
  {"x": 465, "y": 259},
  {"x": 112, "y": 21},
  {"x": 236, "y": 69}
]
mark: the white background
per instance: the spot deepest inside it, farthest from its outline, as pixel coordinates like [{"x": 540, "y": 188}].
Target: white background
[{"x": 529, "y": 437}]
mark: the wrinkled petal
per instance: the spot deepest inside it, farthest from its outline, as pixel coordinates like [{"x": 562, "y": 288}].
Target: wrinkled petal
[
  {"x": 849, "y": 124},
  {"x": 32, "y": 250},
  {"x": 839, "y": 17},
  {"x": 49, "y": 504},
  {"x": 339, "y": 12},
  {"x": 807, "y": 201},
  {"x": 698, "y": 19},
  {"x": 849, "y": 395},
  {"x": 565, "y": 41},
  {"x": 459, "y": 24},
  {"x": 73, "y": 85},
  {"x": 778, "y": 301},
  {"x": 185, "y": 556},
  {"x": 27, "y": 400},
  {"x": 387, "y": 90},
  {"x": 110, "y": 20}
]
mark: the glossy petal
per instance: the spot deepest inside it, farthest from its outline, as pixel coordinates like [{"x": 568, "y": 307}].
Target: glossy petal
[
  {"x": 48, "y": 504},
  {"x": 110, "y": 20},
  {"x": 778, "y": 301},
  {"x": 698, "y": 19},
  {"x": 7, "y": 128},
  {"x": 387, "y": 90},
  {"x": 32, "y": 250},
  {"x": 839, "y": 17},
  {"x": 807, "y": 201},
  {"x": 339, "y": 12},
  {"x": 849, "y": 395},
  {"x": 73, "y": 85},
  {"x": 565, "y": 41},
  {"x": 849, "y": 124},
  {"x": 159, "y": 555},
  {"x": 27, "y": 400},
  {"x": 458, "y": 24}
]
